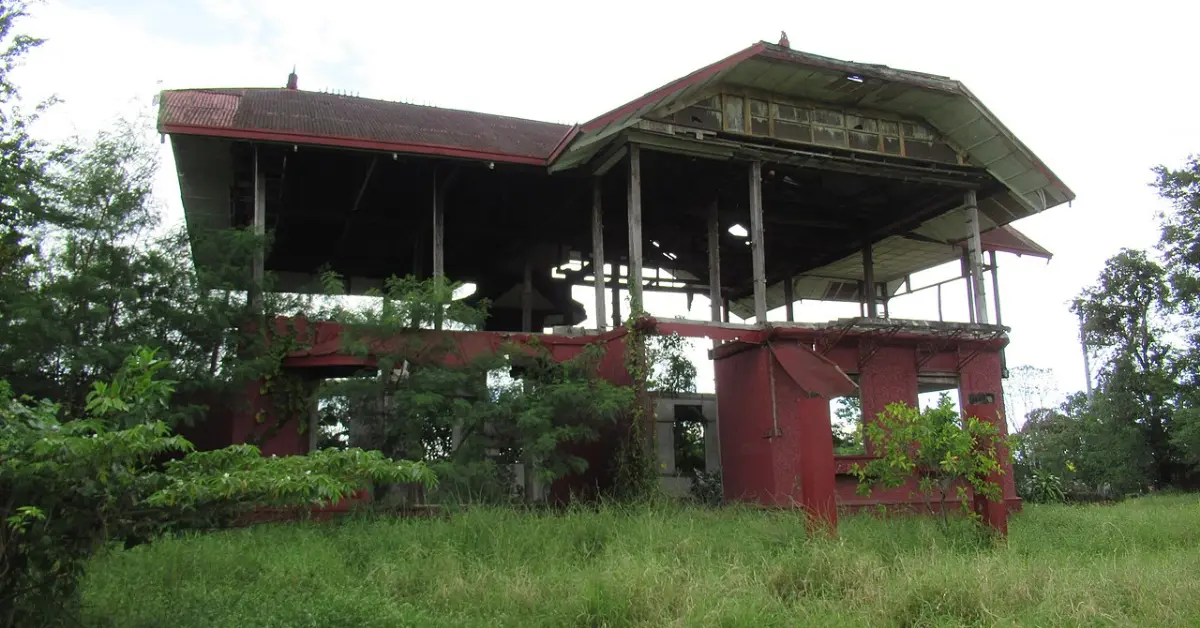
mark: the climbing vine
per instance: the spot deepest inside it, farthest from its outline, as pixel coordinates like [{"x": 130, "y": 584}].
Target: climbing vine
[{"x": 636, "y": 476}]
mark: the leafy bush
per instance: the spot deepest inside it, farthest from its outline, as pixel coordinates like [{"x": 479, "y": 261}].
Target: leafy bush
[
  {"x": 946, "y": 454},
  {"x": 1043, "y": 487},
  {"x": 472, "y": 417},
  {"x": 69, "y": 488}
]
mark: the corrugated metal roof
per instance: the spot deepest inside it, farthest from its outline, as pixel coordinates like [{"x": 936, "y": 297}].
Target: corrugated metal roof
[
  {"x": 330, "y": 119},
  {"x": 947, "y": 105}
]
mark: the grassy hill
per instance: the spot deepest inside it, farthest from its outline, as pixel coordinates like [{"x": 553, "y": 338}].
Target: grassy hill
[{"x": 1134, "y": 563}]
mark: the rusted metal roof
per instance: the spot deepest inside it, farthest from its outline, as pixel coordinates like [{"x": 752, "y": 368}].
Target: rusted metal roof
[
  {"x": 288, "y": 115},
  {"x": 946, "y": 104}
]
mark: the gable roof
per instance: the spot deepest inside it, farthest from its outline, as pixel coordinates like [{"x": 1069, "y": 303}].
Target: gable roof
[
  {"x": 945, "y": 104},
  {"x": 289, "y": 115}
]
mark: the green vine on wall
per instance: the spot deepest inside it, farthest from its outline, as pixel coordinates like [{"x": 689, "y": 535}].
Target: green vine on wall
[
  {"x": 290, "y": 394},
  {"x": 636, "y": 476}
]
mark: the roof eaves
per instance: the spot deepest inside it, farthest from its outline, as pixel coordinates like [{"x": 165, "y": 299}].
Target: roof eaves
[
  {"x": 349, "y": 142},
  {"x": 563, "y": 144}
]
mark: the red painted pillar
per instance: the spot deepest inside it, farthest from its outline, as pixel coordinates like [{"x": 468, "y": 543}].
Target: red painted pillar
[
  {"x": 981, "y": 396},
  {"x": 744, "y": 405},
  {"x": 887, "y": 374},
  {"x": 818, "y": 490}
]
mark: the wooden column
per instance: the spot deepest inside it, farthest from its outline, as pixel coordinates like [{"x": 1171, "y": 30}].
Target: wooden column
[
  {"x": 527, "y": 298},
  {"x": 869, "y": 280},
  {"x": 789, "y": 298},
  {"x": 598, "y": 252},
  {"x": 995, "y": 286},
  {"x": 975, "y": 258},
  {"x": 439, "y": 253},
  {"x": 635, "y": 230},
  {"x": 966, "y": 275},
  {"x": 616, "y": 296},
  {"x": 757, "y": 244},
  {"x": 714, "y": 261},
  {"x": 260, "y": 232},
  {"x": 439, "y": 231}
]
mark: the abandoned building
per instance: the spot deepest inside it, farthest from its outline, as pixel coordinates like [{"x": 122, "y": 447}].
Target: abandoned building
[{"x": 765, "y": 179}]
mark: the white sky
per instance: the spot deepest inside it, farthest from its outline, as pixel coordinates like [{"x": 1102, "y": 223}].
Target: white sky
[{"x": 1065, "y": 77}]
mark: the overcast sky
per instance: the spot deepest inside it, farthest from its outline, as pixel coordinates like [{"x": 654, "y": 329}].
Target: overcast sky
[{"x": 1100, "y": 95}]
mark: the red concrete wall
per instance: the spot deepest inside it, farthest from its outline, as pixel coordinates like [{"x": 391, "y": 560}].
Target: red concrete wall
[
  {"x": 744, "y": 405},
  {"x": 981, "y": 395},
  {"x": 889, "y": 375},
  {"x": 776, "y": 437},
  {"x": 254, "y": 419}
]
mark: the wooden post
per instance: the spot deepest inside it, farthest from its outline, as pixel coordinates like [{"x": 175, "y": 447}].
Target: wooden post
[
  {"x": 439, "y": 259},
  {"x": 995, "y": 286},
  {"x": 598, "y": 252},
  {"x": 788, "y": 297},
  {"x": 975, "y": 259},
  {"x": 616, "y": 296},
  {"x": 725, "y": 313},
  {"x": 527, "y": 299},
  {"x": 757, "y": 244},
  {"x": 869, "y": 280},
  {"x": 939, "y": 291},
  {"x": 635, "y": 231},
  {"x": 260, "y": 232},
  {"x": 714, "y": 261}
]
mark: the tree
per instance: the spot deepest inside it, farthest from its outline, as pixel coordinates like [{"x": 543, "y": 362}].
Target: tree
[
  {"x": 1027, "y": 389},
  {"x": 469, "y": 417},
  {"x": 950, "y": 456},
  {"x": 1123, "y": 315},
  {"x": 847, "y": 430}
]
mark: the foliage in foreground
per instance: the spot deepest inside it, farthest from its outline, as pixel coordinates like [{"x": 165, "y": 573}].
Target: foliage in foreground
[
  {"x": 1131, "y": 564},
  {"x": 951, "y": 457},
  {"x": 69, "y": 488}
]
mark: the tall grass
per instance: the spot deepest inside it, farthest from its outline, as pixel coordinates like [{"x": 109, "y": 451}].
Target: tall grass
[{"x": 1135, "y": 563}]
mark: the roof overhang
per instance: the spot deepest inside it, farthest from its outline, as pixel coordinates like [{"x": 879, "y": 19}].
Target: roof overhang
[{"x": 945, "y": 104}]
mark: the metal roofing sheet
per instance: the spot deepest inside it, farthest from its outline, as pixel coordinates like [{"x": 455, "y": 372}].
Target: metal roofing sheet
[{"x": 287, "y": 112}]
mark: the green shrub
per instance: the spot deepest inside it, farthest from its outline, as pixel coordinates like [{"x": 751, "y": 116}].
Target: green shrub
[
  {"x": 948, "y": 455},
  {"x": 70, "y": 488}
]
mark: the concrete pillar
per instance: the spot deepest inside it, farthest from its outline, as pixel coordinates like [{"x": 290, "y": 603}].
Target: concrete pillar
[{"x": 981, "y": 395}]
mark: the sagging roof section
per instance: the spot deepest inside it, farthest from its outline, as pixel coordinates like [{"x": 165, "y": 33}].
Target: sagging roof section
[{"x": 288, "y": 115}]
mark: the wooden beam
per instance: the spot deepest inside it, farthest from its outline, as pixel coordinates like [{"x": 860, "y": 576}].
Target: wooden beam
[
  {"x": 995, "y": 286},
  {"x": 789, "y": 298},
  {"x": 635, "y": 230},
  {"x": 598, "y": 252},
  {"x": 527, "y": 298},
  {"x": 439, "y": 230},
  {"x": 260, "y": 233},
  {"x": 616, "y": 296},
  {"x": 714, "y": 260},
  {"x": 869, "y": 280},
  {"x": 439, "y": 253},
  {"x": 757, "y": 243},
  {"x": 975, "y": 258}
]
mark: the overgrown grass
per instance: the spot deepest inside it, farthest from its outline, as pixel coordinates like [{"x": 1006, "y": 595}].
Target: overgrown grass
[{"x": 1135, "y": 563}]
